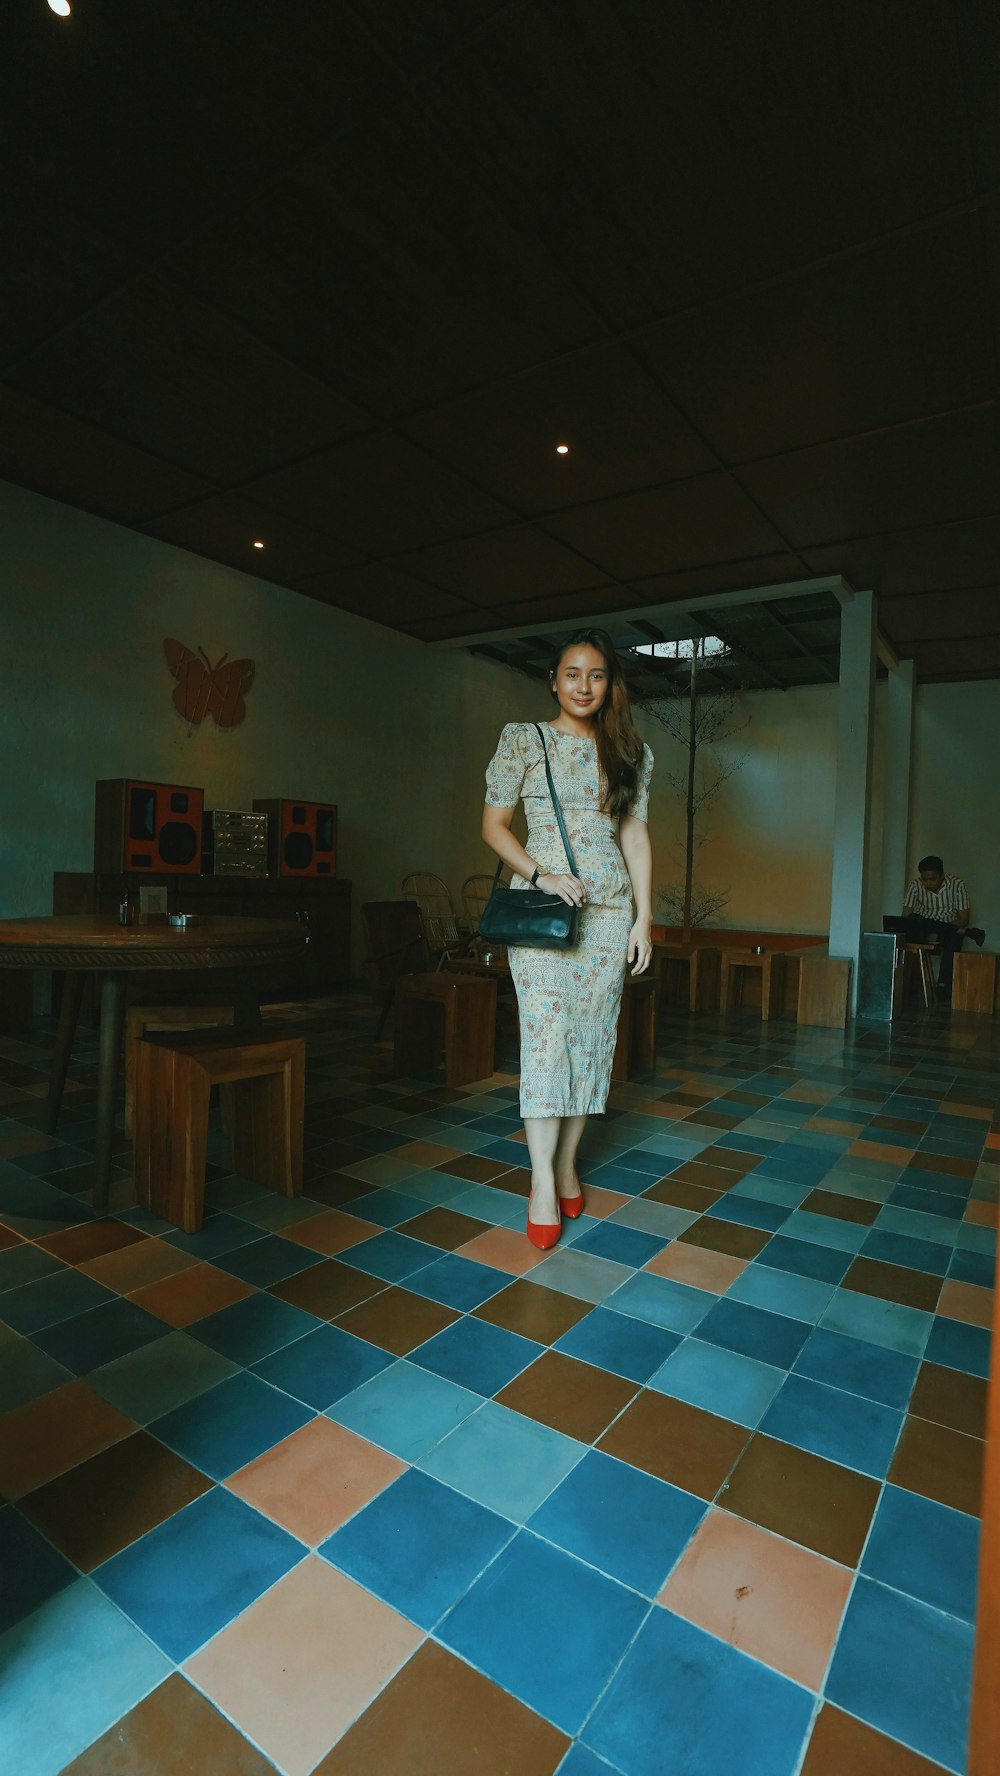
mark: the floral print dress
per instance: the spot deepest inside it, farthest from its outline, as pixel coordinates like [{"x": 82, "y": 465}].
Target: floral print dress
[{"x": 568, "y": 999}]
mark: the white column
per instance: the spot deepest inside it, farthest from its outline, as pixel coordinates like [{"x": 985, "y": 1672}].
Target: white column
[
  {"x": 896, "y": 812},
  {"x": 854, "y": 779}
]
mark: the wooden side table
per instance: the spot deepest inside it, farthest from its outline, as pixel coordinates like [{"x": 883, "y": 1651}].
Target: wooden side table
[
  {"x": 702, "y": 961},
  {"x": 735, "y": 963},
  {"x": 635, "y": 1049},
  {"x": 824, "y": 989},
  {"x": 974, "y": 983},
  {"x": 468, "y": 1004}
]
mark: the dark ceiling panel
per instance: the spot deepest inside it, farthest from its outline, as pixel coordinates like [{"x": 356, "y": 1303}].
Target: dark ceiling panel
[
  {"x": 54, "y": 264},
  {"x": 621, "y": 430},
  {"x": 891, "y": 333},
  {"x": 495, "y": 567},
  {"x": 940, "y": 469},
  {"x": 154, "y": 366},
  {"x": 925, "y": 616},
  {"x": 937, "y": 557},
  {"x": 693, "y": 522},
  {"x": 957, "y": 658},
  {"x": 64, "y": 457},
  {"x": 977, "y": 24},
  {"x": 729, "y": 576},
  {"x": 380, "y": 493},
  {"x": 226, "y": 526},
  {"x": 385, "y": 595}
]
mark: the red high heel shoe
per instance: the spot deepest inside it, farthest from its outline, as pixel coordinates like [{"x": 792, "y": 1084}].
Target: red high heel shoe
[
  {"x": 572, "y": 1206},
  {"x": 542, "y": 1234}
]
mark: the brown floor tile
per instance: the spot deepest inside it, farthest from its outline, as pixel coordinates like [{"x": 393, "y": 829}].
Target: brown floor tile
[
  {"x": 55, "y": 1433},
  {"x": 134, "y": 1267},
  {"x": 533, "y": 1311},
  {"x": 111, "y": 1500},
  {"x": 91, "y": 1240},
  {"x": 829, "y": 1125},
  {"x": 725, "y": 1236},
  {"x": 681, "y": 1195},
  {"x": 471, "y": 1166},
  {"x": 316, "y": 1479},
  {"x": 445, "y": 1228},
  {"x": 697, "y": 1266},
  {"x": 944, "y": 1162},
  {"x": 425, "y": 1154},
  {"x": 601, "y": 1203},
  {"x": 303, "y": 1662},
  {"x": 805, "y": 1093},
  {"x": 328, "y": 1289},
  {"x": 517, "y": 1181},
  {"x": 903, "y": 1125},
  {"x": 397, "y": 1320},
  {"x": 504, "y": 1249},
  {"x": 966, "y": 1302},
  {"x": 9, "y": 1238},
  {"x": 676, "y": 1442},
  {"x": 981, "y": 1212},
  {"x": 173, "y": 1732},
  {"x": 717, "y": 1119},
  {"x": 800, "y": 1496},
  {"x": 438, "y": 1717},
  {"x": 754, "y": 1099},
  {"x": 336, "y": 1188},
  {"x": 893, "y": 1282},
  {"x": 731, "y": 1159},
  {"x": 569, "y": 1396},
  {"x": 332, "y": 1232},
  {"x": 887, "y": 1156},
  {"x": 191, "y": 1294},
  {"x": 843, "y": 1746},
  {"x": 841, "y": 1208},
  {"x": 708, "y": 1177},
  {"x": 939, "y": 1463}
]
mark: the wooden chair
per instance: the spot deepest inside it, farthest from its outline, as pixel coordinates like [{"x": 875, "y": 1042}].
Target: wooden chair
[
  {"x": 456, "y": 1009},
  {"x": 923, "y": 952},
  {"x": 444, "y": 935},
  {"x": 635, "y": 1048},
  {"x": 263, "y": 1076},
  {"x": 395, "y": 945}
]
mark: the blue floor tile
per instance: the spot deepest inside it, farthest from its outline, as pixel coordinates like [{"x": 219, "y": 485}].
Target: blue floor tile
[
  {"x": 386, "y": 1208},
  {"x": 620, "y": 1178},
  {"x": 747, "y": 1211},
  {"x": 825, "y": 1230},
  {"x": 32, "y": 1570},
  {"x": 457, "y": 1282},
  {"x": 622, "y": 1245},
  {"x": 917, "y": 1688},
  {"x": 419, "y": 1546},
  {"x": 324, "y": 1366},
  {"x": 581, "y": 1762},
  {"x": 846, "y": 1428},
  {"x": 620, "y": 1520},
  {"x": 268, "y": 1260},
  {"x": 771, "y": 1338},
  {"x": 778, "y": 1291},
  {"x": 805, "y": 1258},
  {"x": 31, "y": 1307},
  {"x": 476, "y": 1355},
  {"x": 957, "y": 1346},
  {"x": 973, "y": 1267},
  {"x": 898, "y": 1248},
  {"x": 684, "y": 1701},
  {"x": 71, "y": 1670},
  {"x": 217, "y": 1235},
  {"x": 583, "y": 1620},
  {"x": 926, "y": 1550},
  {"x": 629, "y": 1347},
  {"x": 719, "y": 1380},
  {"x": 100, "y": 1335},
  {"x": 662, "y": 1302},
  {"x": 637, "y": 1159},
  {"x": 151, "y": 1382},
  {"x": 252, "y": 1329},
  {"x": 223, "y": 1429},
  {"x": 194, "y": 1574},
  {"x": 26, "y": 1373},
  {"x": 873, "y": 1321},
  {"x": 390, "y": 1256},
  {"x": 926, "y": 1202},
  {"x": 860, "y": 1368},
  {"x": 505, "y": 1461},
  {"x": 26, "y": 1264},
  {"x": 405, "y": 1410}
]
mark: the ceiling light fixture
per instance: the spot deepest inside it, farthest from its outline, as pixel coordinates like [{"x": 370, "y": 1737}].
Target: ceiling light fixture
[
  {"x": 258, "y": 545},
  {"x": 562, "y": 449},
  {"x": 61, "y": 7}
]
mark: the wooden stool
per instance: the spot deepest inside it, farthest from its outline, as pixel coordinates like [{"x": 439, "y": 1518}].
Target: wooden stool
[
  {"x": 923, "y": 953},
  {"x": 824, "y": 990},
  {"x": 263, "y": 1077},
  {"x": 975, "y": 982},
  {"x": 702, "y": 963},
  {"x": 469, "y": 1006},
  {"x": 140, "y": 1018},
  {"x": 734, "y": 963},
  {"x": 635, "y": 1049}
]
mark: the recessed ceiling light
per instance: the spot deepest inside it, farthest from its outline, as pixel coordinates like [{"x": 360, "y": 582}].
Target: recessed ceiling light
[
  {"x": 562, "y": 449},
  {"x": 258, "y": 545},
  {"x": 62, "y": 7}
]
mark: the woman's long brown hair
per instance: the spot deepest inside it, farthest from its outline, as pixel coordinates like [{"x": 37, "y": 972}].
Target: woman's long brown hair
[{"x": 619, "y": 743}]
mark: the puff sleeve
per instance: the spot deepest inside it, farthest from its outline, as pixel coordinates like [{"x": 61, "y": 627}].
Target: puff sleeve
[
  {"x": 506, "y": 770},
  {"x": 640, "y": 801}
]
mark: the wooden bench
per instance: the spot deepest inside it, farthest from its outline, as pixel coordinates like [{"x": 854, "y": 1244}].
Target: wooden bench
[
  {"x": 263, "y": 1076},
  {"x": 466, "y": 1004},
  {"x": 635, "y": 1048},
  {"x": 702, "y": 964},
  {"x": 974, "y": 983},
  {"x": 735, "y": 963}
]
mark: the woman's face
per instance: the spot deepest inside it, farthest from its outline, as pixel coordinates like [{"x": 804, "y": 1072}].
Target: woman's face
[{"x": 581, "y": 682}]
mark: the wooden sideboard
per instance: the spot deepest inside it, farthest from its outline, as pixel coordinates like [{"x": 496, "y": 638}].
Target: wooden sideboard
[{"x": 324, "y": 906}]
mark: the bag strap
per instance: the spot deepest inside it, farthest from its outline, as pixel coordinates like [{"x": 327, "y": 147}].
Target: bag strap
[
  {"x": 555, "y": 802},
  {"x": 563, "y": 834}
]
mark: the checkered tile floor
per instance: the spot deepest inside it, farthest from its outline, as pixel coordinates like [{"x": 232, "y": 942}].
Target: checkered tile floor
[{"x": 363, "y": 1483}]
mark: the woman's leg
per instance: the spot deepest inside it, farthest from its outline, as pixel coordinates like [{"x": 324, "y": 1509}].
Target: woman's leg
[
  {"x": 570, "y": 1135},
  {"x": 542, "y": 1134}
]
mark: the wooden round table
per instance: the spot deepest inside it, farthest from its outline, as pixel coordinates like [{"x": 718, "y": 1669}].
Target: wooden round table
[{"x": 82, "y": 944}]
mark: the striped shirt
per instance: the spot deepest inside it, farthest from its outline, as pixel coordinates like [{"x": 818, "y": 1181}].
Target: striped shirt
[{"x": 944, "y": 905}]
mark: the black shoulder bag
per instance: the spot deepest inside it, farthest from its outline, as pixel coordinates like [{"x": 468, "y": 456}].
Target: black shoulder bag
[{"x": 529, "y": 918}]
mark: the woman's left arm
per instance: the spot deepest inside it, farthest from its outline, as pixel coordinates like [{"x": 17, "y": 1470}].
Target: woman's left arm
[{"x": 634, "y": 839}]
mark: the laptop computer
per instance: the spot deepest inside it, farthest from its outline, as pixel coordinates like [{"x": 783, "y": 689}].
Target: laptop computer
[{"x": 893, "y": 922}]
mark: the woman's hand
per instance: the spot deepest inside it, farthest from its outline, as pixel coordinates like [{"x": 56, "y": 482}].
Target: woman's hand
[
  {"x": 569, "y": 888},
  {"x": 640, "y": 946}
]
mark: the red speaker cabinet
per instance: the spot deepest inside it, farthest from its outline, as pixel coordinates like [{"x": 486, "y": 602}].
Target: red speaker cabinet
[
  {"x": 301, "y": 837},
  {"x": 147, "y": 827}
]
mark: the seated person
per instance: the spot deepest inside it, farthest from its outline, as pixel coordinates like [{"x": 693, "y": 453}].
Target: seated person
[{"x": 936, "y": 909}]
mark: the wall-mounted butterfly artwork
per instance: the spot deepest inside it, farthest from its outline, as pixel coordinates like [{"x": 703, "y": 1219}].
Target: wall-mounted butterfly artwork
[{"x": 203, "y": 689}]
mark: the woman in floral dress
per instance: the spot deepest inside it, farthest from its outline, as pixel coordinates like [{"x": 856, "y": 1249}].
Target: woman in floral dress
[{"x": 569, "y": 999}]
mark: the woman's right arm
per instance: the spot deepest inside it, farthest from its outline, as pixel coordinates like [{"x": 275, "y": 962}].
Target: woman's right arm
[{"x": 499, "y": 838}]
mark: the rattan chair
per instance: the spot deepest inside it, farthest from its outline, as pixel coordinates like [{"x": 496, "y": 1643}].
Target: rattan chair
[
  {"x": 395, "y": 945},
  {"x": 476, "y": 891},
  {"x": 445, "y": 935}
]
